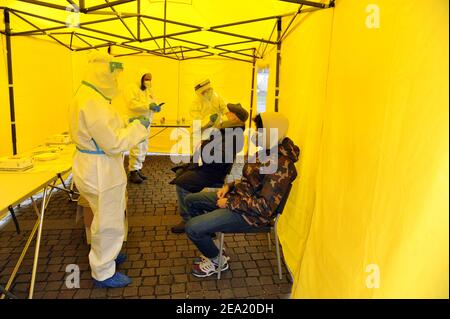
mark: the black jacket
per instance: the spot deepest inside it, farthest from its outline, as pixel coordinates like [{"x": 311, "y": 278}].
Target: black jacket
[{"x": 193, "y": 177}]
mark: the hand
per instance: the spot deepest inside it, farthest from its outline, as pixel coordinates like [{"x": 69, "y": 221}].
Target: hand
[
  {"x": 222, "y": 202},
  {"x": 213, "y": 118},
  {"x": 223, "y": 191},
  {"x": 144, "y": 121},
  {"x": 155, "y": 107}
]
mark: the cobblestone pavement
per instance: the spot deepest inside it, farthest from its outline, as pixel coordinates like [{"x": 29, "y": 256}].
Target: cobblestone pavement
[{"x": 159, "y": 262}]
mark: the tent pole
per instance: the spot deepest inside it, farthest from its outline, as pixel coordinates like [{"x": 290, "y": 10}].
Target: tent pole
[
  {"x": 277, "y": 74},
  {"x": 241, "y": 36},
  {"x": 122, "y": 21},
  {"x": 138, "y": 20},
  {"x": 145, "y": 26},
  {"x": 168, "y": 35},
  {"x": 172, "y": 22},
  {"x": 45, "y": 4},
  {"x": 292, "y": 20},
  {"x": 308, "y": 3},
  {"x": 107, "y": 5},
  {"x": 82, "y": 6},
  {"x": 251, "y": 21},
  {"x": 165, "y": 18},
  {"x": 10, "y": 79},
  {"x": 233, "y": 58},
  {"x": 252, "y": 94},
  {"x": 236, "y": 52},
  {"x": 82, "y": 40},
  {"x": 234, "y": 43}
]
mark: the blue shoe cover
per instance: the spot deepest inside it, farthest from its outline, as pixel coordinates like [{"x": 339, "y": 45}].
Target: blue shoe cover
[
  {"x": 121, "y": 258},
  {"x": 117, "y": 281}
]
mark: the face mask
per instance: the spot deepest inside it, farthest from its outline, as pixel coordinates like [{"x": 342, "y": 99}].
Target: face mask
[{"x": 148, "y": 84}]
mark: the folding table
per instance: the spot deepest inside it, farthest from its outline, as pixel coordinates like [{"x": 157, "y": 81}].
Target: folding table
[{"x": 16, "y": 187}]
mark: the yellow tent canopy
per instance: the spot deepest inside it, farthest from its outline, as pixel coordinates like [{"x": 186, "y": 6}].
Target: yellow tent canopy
[{"x": 176, "y": 29}]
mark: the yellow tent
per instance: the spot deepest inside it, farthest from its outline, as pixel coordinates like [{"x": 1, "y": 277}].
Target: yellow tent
[{"x": 364, "y": 84}]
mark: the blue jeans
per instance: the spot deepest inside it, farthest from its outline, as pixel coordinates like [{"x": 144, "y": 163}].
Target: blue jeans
[
  {"x": 207, "y": 219},
  {"x": 181, "y": 195}
]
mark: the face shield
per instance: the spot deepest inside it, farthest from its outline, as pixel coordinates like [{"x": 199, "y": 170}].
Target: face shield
[
  {"x": 204, "y": 90},
  {"x": 115, "y": 66},
  {"x": 207, "y": 95},
  {"x": 103, "y": 73}
]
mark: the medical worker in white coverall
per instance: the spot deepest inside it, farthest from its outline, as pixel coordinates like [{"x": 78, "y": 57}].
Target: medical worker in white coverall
[
  {"x": 208, "y": 106},
  {"x": 101, "y": 136},
  {"x": 139, "y": 101}
]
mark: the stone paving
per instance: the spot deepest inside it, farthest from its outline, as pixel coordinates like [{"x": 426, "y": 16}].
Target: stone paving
[{"x": 159, "y": 262}]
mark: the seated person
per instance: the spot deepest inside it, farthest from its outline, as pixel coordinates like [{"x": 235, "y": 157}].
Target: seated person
[
  {"x": 243, "y": 204},
  {"x": 192, "y": 177}
]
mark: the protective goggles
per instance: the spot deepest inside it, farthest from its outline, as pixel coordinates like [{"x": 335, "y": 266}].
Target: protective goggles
[{"x": 115, "y": 66}]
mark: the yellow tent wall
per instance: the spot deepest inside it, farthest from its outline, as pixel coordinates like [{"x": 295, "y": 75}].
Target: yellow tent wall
[
  {"x": 231, "y": 79},
  {"x": 5, "y": 128},
  {"x": 303, "y": 80},
  {"x": 377, "y": 125},
  {"x": 42, "y": 87}
]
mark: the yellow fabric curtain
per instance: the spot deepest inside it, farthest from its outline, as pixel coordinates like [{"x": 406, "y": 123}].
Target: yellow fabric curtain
[{"x": 372, "y": 220}]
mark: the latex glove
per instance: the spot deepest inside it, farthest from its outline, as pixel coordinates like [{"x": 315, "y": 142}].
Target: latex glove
[
  {"x": 213, "y": 117},
  {"x": 155, "y": 107},
  {"x": 144, "y": 121}
]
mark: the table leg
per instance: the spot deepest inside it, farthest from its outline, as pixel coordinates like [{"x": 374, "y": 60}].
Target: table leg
[
  {"x": 38, "y": 243},
  {"x": 19, "y": 262},
  {"x": 14, "y": 217}
]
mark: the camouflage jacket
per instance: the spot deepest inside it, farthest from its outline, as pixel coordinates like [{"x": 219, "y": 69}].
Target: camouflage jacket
[{"x": 256, "y": 196}]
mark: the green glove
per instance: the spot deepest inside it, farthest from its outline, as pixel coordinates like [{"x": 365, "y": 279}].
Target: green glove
[
  {"x": 144, "y": 121},
  {"x": 213, "y": 118}
]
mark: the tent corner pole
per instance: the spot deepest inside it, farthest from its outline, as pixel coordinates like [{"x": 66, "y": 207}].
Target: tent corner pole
[
  {"x": 138, "y": 20},
  {"x": 252, "y": 96},
  {"x": 277, "y": 66},
  {"x": 10, "y": 79}
]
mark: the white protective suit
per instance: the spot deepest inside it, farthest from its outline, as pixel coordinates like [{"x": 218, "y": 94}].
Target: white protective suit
[
  {"x": 137, "y": 103},
  {"x": 203, "y": 108},
  {"x": 101, "y": 136}
]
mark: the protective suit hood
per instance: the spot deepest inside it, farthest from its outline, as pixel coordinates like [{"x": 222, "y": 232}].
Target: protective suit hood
[
  {"x": 273, "y": 120},
  {"x": 101, "y": 75},
  {"x": 138, "y": 76}
]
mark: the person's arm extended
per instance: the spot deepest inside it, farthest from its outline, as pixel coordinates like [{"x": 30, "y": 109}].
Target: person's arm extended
[
  {"x": 266, "y": 201},
  {"x": 112, "y": 141},
  {"x": 133, "y": 101}
]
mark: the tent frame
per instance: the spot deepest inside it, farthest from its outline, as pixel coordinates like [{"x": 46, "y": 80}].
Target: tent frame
[
  {"x": 127, "y": 41},
  {"x": 130, "y": 42}
]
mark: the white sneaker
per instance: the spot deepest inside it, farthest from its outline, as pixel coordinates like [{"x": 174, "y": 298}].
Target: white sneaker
[{"x": 208, "y": 267}]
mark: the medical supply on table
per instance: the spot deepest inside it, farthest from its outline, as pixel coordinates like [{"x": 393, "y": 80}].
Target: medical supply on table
[
  {"x": 15, "y": 163},
  {"x": 45, "y": 156},
  {"x": 58, "y": 139}
]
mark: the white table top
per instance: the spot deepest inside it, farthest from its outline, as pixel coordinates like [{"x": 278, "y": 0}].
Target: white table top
[{"x": 15, "y": 187}]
